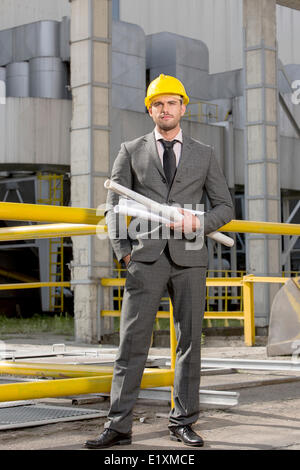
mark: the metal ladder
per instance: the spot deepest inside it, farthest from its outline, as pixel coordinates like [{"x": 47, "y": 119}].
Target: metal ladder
[{"x": 56, "y": 246}]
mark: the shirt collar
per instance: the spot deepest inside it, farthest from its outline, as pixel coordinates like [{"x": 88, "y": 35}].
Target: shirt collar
[{"x": 158, "y": 136}]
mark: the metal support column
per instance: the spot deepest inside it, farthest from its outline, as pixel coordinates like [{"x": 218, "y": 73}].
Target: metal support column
[
  {"x": 91, "y": 22},
  {"x": 262, "y": 178}
]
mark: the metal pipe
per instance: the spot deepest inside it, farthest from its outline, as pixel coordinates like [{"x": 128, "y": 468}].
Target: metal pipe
[
  {"x": 76, "y": 215},
  {"x": 206, "y": 397},
  {"x": 54, "y": 388},
  {"x": 251, "y": 364},
  {"x": 47, "y": 213},
  {"x": 63, "y": 370},
  {"x": 49, "y": 231},
  {"x": 72, "y": 229},
  {"x": 248, "y": 226},
  {"x": 18, "y": 276},
  {"x": 33, "y": 285},
  {"x": 53, "y": 370},
  {"x": 77, "y": 386},
  {"x": 17, "y": 246},
  {"x": 173, "y": 344}
]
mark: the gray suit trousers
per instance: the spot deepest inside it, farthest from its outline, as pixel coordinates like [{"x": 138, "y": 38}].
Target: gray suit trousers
[{"x": 146, "y": 283}]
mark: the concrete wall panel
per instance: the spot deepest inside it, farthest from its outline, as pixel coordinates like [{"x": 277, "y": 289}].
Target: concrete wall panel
[
  {"x": 6, "y": 47},
  {"x": 17, "y": 79},
  {"x": 35, "y": 131},
  {"x": 19, "y": 12}
]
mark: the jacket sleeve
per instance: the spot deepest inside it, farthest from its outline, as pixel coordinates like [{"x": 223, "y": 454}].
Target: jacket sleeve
[
  {"x": 116, "y": 224},
  {"x": 217, "y": 190}
]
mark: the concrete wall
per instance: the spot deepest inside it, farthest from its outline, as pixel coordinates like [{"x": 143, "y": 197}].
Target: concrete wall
[
  {"x": 127, "y": 125},
  {"x": 288, "y": 34},
  {"x": 50, "y": 120},
  {"x": 289, "y": 163},
  {"x": 289, "y": 151},
  {"x": 216, "y": 22},
  {"x": 128, "y": 66},
  {"x": 18, "y": 12},
  {"x": 35, "y": 131}
]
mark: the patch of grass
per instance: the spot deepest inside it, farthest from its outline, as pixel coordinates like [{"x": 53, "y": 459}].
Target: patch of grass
[
  {"x": 221, "y": 323},
  {"x": 39, "y": 323},
  {"x": 164, "y": 323}
]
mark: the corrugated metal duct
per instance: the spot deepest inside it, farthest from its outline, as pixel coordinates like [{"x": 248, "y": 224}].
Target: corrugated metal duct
[
  {"x": 17, "y": 79},
  {"x": 39, "y": 39},
  {"x": 128, "y": 66},
  {"x": 2, "y": 85},
  {"x": 6, "y": 48},
  {"x": 47, "y": 39},
  {"x": 64, "y": 38},
  {"x": 48, "y": 78},
  {"x": 3, "y": 74}
]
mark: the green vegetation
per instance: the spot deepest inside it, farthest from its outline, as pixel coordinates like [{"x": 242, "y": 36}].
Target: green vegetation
[
  {"x": 221, "y": 323},
  {"x": 164, "y": 323},
  {"x": 39, "y": 323}
]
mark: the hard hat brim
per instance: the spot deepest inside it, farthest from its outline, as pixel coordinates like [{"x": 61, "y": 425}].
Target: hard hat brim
[{"x": 149, "y": 99}]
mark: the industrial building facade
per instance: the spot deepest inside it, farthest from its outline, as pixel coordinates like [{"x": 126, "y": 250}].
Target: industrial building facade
[{"x": 75, "y": 75}]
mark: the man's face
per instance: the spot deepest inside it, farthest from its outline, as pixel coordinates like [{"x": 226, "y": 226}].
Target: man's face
[{"x": 166, "y": 111}]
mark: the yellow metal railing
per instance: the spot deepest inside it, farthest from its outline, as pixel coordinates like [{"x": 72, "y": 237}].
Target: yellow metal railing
[
  {"x": 33, "y": 285},
  {"x": 210, "y": 282},
  {"x": 95, "y": 219},
  {"x": 91, "y": 379},
  {"x": 101, "y": 382},
  {"x": 206, "y": 111},
  {"x": 246, "y": 314},
  {"x": 88, "y": 381},
  {"x": 290, "y": 273},
  {"x": 226, "y": 295},
  {"x": 51, "y": 186}
]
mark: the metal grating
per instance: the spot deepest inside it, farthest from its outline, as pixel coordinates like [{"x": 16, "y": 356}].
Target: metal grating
[{"x": 39, "y": 414}]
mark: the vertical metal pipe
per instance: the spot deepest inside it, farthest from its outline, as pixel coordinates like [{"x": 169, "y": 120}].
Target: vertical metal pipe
[{"x": 173, "y": 344}]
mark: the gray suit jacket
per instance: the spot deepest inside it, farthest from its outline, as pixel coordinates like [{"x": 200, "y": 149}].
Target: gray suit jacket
[{"x": 138, "y": 167}]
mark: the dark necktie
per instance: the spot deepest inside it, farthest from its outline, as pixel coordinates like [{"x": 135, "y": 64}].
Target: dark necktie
[{"x": 169, "y": 160}]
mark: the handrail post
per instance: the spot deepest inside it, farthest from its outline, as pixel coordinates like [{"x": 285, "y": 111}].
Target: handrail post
[
  {"x": 173, "y": 344},
  {"x": 249, "y": 321}
]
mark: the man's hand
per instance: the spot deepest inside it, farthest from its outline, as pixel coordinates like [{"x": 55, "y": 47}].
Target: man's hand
[
  {"x": 126, "y": 259},
  {"x": 190, "y": 222}
]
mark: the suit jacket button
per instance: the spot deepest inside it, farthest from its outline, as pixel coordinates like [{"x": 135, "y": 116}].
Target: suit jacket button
[{"x": 164, "y": 180}]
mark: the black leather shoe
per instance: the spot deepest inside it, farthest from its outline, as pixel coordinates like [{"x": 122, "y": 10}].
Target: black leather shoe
[
  {"x": 108, "y": 438},
  {"x": 186, "y": 435}
]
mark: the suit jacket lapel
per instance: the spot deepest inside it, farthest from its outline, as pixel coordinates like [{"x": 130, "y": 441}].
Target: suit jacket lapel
[
  {"x": 185, "y": 155},
  {"x": 151, "y": 150}
]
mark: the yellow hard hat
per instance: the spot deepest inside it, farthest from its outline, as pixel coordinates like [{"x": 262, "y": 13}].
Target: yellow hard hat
[{"x": 165, "y": 85}]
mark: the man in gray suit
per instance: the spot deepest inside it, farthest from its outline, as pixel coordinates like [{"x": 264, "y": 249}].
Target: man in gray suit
[{"x": 171, "y": 168}]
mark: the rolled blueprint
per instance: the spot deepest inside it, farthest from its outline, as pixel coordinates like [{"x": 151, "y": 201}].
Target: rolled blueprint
[
  {"x": 135, "y": 209},
  {"x": 169, "y": 212},
  {"x": 138, "y": 205},
  {"x": 138, "y": 210}
]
